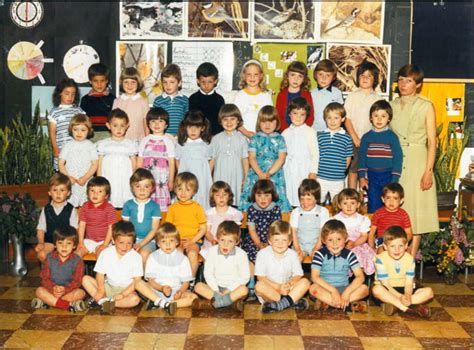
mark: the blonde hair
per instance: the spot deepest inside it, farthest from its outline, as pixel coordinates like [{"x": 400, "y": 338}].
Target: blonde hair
[
  {"x": 167, "y": 230},
  {"x": 187, "y": 179},
  {"x": 230, "y": 110},
  {"x": 333, "y": 226},
  {"x": 81, "y": 119},
  {"x": 279, "y": 227},
  {"x": 267, "y": 114},
  {"x": 131, "y": 73},
  {"x": 256, "y": 63}
]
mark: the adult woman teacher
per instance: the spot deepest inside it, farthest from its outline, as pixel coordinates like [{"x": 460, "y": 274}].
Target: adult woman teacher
[{"x": 414, "y": 122}]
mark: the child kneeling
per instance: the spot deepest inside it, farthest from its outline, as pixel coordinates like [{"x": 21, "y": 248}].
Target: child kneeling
[
  {"x": 279, "y": 273},
  {"x": 118, "y": 269},
  {"x": 395, "y": 271},
  {"x": 330, "y": 272},
  {"x": 226, "y": 270},
  {"x": 61, "y": 274},
  {"x": 168, "y": 272}
]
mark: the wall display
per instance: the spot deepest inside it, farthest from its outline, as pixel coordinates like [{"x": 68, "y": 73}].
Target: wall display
[
  {"x": 26, "y": 60},
  {"x": 77, "y": 61},
  {"x": 148, "y": 58},
  {"x": 189, "y": 55},
  {"x": 276, "y": 58},
  {"x": 348, "y": 58},
  {"x": 283, "y": 20},
  {"x": 26, "y": 14},
  {"x": 351, "y": 21},
  {"x": 151, "y": 20},
  {"x": 218, "y": 20}
]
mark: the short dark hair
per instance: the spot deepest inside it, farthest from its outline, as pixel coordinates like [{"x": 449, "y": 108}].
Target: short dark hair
[
  {"x": 66, "y": 232},
  {"x": 393, "y": 187},
  {"x": 217, "y": 186},
  {"x": 123, "y": 228},
  {"x": 119, "y": 114},
  {"x": 372, "y": 68},
  {"x": 334, "y": 107},
  {"x": 64, "y": 83},
  {"x": 98, "y": 69},
  {"x": 207, "y": 69},
  {"x": 99, "y": 181},
  {"x": 411, "y": 70},
  {"x": 131, "y": 73},
  {"x": 59, "y": 179},
  {"x": 230, "y": 110},
  {"x": 228, "y": 228},
  {"x": 381, "y": 105},
  {"x": 194, "y": 117},
  {"x": 326, "y": 66},
  {"x": 394, "y": 232},
  {"x": 299, "y": 103},
  {"x": 142, "y": 174},
  {"x": 311, "y": 187},
  {"x": 156, "y": 113},
  {"x": 280, "y": 227},
  {"x": 332, "y": 226},
  {"x": 263, "y": 186},
  {"x": 172, "y": 70}
]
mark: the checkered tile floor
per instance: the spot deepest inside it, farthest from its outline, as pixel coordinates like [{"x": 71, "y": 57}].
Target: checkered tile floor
[{"x": 451, "y": 325}]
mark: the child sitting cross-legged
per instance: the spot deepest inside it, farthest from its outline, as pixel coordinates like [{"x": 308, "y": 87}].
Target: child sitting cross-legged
[
  {"x": 168, "y": 272},
  {"x": 281, "y": 284},
  {"x": 61, "y": 274},
  {"x": 330, "y": 272},
  {"x": 226, "y": 269},
  {"x": 395, "y": 272},
  {"x": 118, "y": 268}
]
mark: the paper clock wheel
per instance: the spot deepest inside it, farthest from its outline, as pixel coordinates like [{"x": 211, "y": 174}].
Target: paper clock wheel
[
  {"x": 26, "y": 60},
  {"x": 26, "y": 14},
  {"x": 77, "y": 61}
]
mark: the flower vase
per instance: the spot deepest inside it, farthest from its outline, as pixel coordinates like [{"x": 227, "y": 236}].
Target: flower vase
[
  {"x": 18, "y": 265},
  {"x": 449, "y": 277}
]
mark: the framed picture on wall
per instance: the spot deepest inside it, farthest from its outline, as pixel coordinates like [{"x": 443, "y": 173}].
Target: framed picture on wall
[
  {"x": 151, "y": 20},
  {"x": 148, "y": 57},
  {"x": 348, "y": 58},
  {"x": 350, "y": 21}
]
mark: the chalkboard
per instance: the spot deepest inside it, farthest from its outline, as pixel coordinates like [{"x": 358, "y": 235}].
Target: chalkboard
[
  {"x": 242, "y": 53},
  {"x": 443, "y": 37}
]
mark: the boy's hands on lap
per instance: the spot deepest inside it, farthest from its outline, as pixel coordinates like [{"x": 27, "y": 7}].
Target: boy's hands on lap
[
  {"x": 285, "y": 288},
  {"x": 178, "y": 295},
  {"x": 336, "y": 298},
  {"x": 345, "y": 299},
  {"x": 406, "y": 300},
  {"x": 166, "y": 290},
  {"x": 118, "y": 297},
  {"x": 58, "y": 291}
]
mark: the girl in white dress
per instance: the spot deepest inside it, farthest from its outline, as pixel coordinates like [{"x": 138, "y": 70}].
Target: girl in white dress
[
  {"x": 117, "y": 158},
  {"x": 78, "y": 158},
  {"x": 302, "y": 146},
  {"x": 194, "y": 154}
]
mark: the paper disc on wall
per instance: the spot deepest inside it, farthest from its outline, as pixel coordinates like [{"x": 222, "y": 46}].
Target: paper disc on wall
[
  {"x": 26, "y": 60},
  {"x": 78, "y": 60}
]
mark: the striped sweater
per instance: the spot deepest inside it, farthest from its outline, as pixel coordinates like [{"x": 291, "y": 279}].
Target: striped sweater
[{"x": 176, "y": 106}]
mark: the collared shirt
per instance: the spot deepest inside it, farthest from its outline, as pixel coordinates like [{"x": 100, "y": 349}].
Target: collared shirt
[
  {"x": 76, "y": 277},
  {"x": 321, "y": 98},
  {"x": 97, "y": 219},
  {"x": 278, "y": 268},
  {"x": 73, "y": 220},
  {"x": 208, "y": 93},
  {"x": 171, "y": 269},
  {"x": 335, "y": 269},
  {"x": 126, "y": 97},
  {"x": 396, "y": 272},
  {"x": 176, "y": 106},
  {"x": 334, "y": 149},
  {"x": 141, "y": 215},
  {"x": 119, "y": 270}
]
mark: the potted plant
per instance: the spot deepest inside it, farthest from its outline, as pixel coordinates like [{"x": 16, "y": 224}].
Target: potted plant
[
  {"x": 448, "y": 155},
  {"x": 448, "y": 248}
]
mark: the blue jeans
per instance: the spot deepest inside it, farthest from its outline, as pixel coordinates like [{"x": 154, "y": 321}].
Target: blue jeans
[{"x": 377, "y": 180}]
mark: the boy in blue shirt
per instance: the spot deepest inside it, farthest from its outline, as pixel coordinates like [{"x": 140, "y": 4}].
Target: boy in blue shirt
[{"x": 330, "y": 272}]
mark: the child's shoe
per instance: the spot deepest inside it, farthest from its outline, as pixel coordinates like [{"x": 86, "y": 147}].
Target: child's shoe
[
  {"x": 252, "y": 296},
  {"x": 423, "y": 311},
  {"x": 301, "y": 305},
  {"x": 150, "y": 305},
  {"x": 359, "y": 306},
  {"x": 238, "y": 305},
  {"x": 171, "y": 307},
  {"x": 269, "y": 307},
  {"x": 108, "y": 307},
  {"x": 37, "y": 303},
  {"x": 92, "y": 304},
  {"x": 388, "y": 309},
  {"x": 77, "y": 306},
  {"x": 320, "y": 306}
]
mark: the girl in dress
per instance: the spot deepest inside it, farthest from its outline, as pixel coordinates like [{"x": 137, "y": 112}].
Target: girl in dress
[
  {"x": 133, "y": 103},
  {"x": 252, "y": 96},
  {"x": 221, "y": 198},
  {"x": 227, "y": 147},
  {"x": 347, "y": 205},
  {"x": 156, "y": 153},
  {"x": 302, "y": 146},
  {"x": 78, "y": 158},
  {"x": 193, "y": 153},
  {"x": 117, "y": 158},
  {"x": 295, "y": 83},
  {"x": 267, "y": 153},
  {"x": 65, "y": 100}
]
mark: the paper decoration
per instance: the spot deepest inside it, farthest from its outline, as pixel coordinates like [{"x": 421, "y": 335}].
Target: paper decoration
[
  {"x": 26, "y": 60},
  {"x": 77, "y": 61}
]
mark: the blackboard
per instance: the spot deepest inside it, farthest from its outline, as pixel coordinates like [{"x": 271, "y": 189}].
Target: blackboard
[
  {"x": 242, "y": 53},
  {"x": 443, "y": 38}
]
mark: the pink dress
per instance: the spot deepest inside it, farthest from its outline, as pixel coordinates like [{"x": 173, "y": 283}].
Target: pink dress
[
  {"x": 155, "y": 151},
  {"x": 136, "y": 108},
  {"x": 355, "y": 225},
  {"x": 214, "y": 219}
]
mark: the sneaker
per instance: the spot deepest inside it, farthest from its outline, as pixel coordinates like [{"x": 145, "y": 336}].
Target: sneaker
[
  {"x": 320, "y": 306},
  {"x": 238, "y": 305},
  {"x": 37, "y": 303},
  {"x": 388, "y": 309},
  {"x": 108, "y": 307},
  {"x": 268, "y": 307},
  {"x": 252, "y": 296},
  {"x": 92, "y": 304},
  {"x": 360, "y": 307},
  {"x": 171, "y": 308},
  {"x": 301, "y": 305},
  {"x": 78, "y": 306},
  {"x": 150, "y": 305},
  {"x": 423, "y": 311}
]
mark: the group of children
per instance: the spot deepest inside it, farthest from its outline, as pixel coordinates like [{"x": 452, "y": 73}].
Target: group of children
[{"x": 226, "y": 156}]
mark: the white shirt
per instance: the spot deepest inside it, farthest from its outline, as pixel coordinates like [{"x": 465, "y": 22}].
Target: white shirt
[
  {"x": 295, "y": 214},
  {"x": 249, "y": 106},
  {"x": 119, "y": 270},
  {"x": 229, "y": 271},
  {"x": 279, "y": 269},
  {"x": 168, "y": 269}
]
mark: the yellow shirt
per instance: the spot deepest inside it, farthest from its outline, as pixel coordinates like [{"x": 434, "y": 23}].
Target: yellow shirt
[
  {"x": 395, "y": 271},
  {"x": 187, "y": 217}
]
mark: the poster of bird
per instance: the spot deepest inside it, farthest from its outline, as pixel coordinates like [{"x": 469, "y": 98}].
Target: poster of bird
[
  {"x": 283, "y": 20},
  {"x": 218, "y": 20},
  {"x": 351, "y": 21},
  {"x": 349, "y": 57}
]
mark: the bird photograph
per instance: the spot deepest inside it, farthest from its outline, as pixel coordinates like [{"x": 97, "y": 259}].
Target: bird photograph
[
  {"x": 218, "y": 19},
  {"x": 283, "y": 19}
]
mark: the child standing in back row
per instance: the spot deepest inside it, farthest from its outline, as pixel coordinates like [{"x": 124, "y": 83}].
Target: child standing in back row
[
  {"x": 252, "y": 96},
  {"x": 171, "y": 100},
  {"x": 295, "y": 84}
]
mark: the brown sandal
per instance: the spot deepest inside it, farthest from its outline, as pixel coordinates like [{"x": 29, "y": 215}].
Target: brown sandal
[{"x": 360, "y": 306}]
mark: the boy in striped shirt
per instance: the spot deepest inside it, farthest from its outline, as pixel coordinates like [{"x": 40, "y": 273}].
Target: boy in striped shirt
[
  {"x": 389, "y": 215},
  {"x": 335, "y": 151},
  {"x": 395, "y": 272}
]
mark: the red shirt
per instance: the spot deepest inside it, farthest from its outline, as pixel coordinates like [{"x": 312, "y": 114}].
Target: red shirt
[
  {"x": 282, "y": 105},
  {"x": 45, "y": 274},
  {"x": 383, "y": 219},
  {"x": 97, "y": 219}
]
